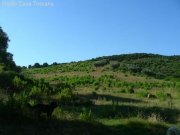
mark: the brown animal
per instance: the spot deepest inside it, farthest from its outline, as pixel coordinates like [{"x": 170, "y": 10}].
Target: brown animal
[{"x": 43, "y": 108}]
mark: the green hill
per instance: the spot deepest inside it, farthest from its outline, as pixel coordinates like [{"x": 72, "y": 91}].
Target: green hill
[{"x": 139, "y": 64}]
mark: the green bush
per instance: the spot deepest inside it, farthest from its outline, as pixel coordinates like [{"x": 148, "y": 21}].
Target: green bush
[
  {"x": 101, "y": 63},
  {"x": 143, "y": 93},
  {"x": 96, "y": 88},
  {"x": 66, "y": 95},
  {"x": 130, "y": 90},
  {"x": 115, "y": 65},
  {"x": 19, "y": 83},
  {"x": 35, "y": 92},
  {"x": 86, "y": 115},
  {"x": 121, "y": 91},
  {"x": 161, "y": 95}
]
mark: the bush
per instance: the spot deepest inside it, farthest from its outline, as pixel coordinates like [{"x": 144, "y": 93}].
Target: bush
[
  {"x": 143, "y": 93},
  {"x": 101, "y": 63},
  {"x": 96, "y": 88},
  {"x": 130, "y": 90},
  {"x": 161, "y": 95},
  {"x": 115, "y": 65},
  {"x": 18, "y": 83},
  {"x": 148, "y": 72},
  {"x": 6, "y": 80},
  {"x": 35, "y": 92},
  {"x": 121, "y": 91},
  {"x": 66, "y": 95},
  {"x": 86, "y": 115},
  {"x": 2, "y": 67}
]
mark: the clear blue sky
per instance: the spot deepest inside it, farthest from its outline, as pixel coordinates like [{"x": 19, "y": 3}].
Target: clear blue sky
[{"x": 75, "y": 30}]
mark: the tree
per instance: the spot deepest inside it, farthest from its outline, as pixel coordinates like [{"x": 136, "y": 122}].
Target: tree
[
  {"x": 6, "y": 58},
  {"x": 37, "y": 65},
  {"x": 3, "y": 40},
  {"x": 55, "y": 63},
  {"x": 29, "y": 66},
  {"x": 45, "y": 64}
]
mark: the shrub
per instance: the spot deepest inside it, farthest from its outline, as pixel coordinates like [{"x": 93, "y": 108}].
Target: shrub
[
  {"x": 130, "y": 90},
  {"x": 161, "y": 95},
  {"x": 155, "y": 118},
  {"x": 143, "y": 93},
  {"x": 35, "y": 92},
  {"x": 2, "y": 67},
  {"x": 18, "y": 83},
  {"x": 134, "y": 69},
  {"x": 115, "y": 65},
  {"x": 66, "y": 95},
  {"x": 86, "y": 115},
  {"x": 6, "y": 80},
  {"x": 96, "y": 88},
  {"x": 148, "y": 72},
  {"x": 101, "y": 63},
  {"x": 121, "y": 91},
  {"x": 23, "y": 97}
]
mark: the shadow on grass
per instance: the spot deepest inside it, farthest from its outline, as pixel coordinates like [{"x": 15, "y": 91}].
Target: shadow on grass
[
  {"x": 140, "y": 128},
  {"x": 111, "y": 98},
  {"x": 128, "y": 111},
  {"x": 13, "y": 120},
  {"x": 59, "y": 127}
]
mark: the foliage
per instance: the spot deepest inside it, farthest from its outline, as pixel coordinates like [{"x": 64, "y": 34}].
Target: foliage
[
  {"x": 161, "y": 95},
  {"x": 6, "y": 58},
  {"x": 66, "y": 95},
  {"x": 35, "y": 92},
  {"x": 130, "y": 90},
  {"x": 153, "y": 65},
  {"x": 86, "y": 115},
  {"x": 101, "y": 63},
  {"x": 143, "y": 93},
  {"x": 19, "y": 83}
]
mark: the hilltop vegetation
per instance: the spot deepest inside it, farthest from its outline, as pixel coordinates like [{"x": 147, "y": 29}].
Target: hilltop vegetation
[
  {"x": 157, "y": 66},
  {"x": 120, "y": 95}
]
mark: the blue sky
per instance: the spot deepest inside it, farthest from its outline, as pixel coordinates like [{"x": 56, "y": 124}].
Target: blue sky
[{"x": 73, "y": 30}]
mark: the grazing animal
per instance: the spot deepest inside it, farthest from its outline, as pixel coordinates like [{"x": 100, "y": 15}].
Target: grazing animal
[
  {"x": 173, "y": 131},
  {"x": 149, "y": 96},
  {"x": 43, "y": 108}
]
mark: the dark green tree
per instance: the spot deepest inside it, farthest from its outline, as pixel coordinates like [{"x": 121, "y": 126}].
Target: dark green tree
[
  {"x": 6, "y": 58},
  {"x": 37, "y": 65},
  {"x": 45, "y": 64}
]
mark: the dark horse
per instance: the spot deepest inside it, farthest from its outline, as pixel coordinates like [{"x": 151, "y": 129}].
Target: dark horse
[{"x": 43, "y": 108}]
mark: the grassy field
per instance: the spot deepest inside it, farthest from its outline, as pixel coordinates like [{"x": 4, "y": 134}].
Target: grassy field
[{"x": 92, "y": 100}]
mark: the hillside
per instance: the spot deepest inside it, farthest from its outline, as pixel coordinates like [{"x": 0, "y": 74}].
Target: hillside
[
  {"x": 139, "y": 64},
  {"x": 120, "y": 94},
  {"x": 130, "y": 75}
]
